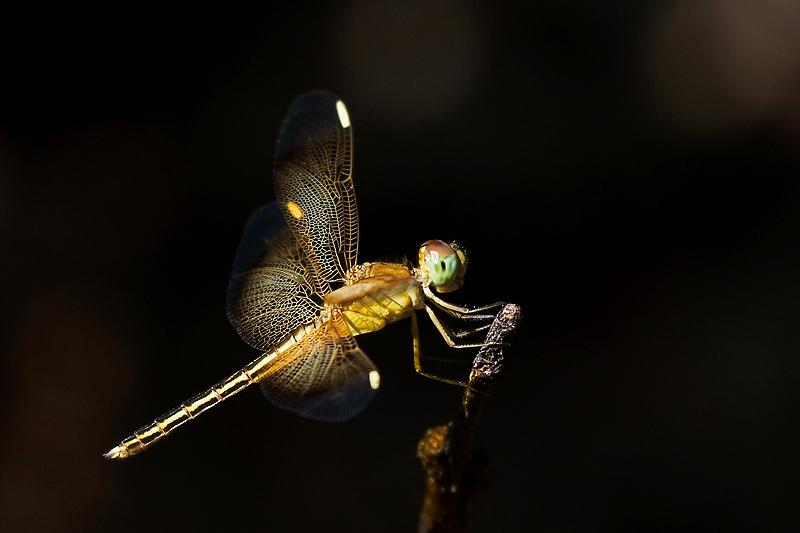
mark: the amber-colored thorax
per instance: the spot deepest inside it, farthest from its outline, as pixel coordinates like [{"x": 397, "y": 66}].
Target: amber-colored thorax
[{"x": 376, "y": 294}]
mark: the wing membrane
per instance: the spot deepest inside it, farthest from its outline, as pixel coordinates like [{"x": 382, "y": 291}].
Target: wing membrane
[
  {"x": 327, "y": 377},
  {"x": 314, "y": 184},
  {"x": 272, "y": 287},
  {"x": 295, "y": 251}
]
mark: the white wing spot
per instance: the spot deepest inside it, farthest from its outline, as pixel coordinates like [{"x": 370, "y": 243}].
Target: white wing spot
[
  {"x": 374, "y": 379},
  {"x": 344, "y": 118}
]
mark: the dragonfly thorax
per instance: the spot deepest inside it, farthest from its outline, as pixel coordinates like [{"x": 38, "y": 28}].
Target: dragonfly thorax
[{"x": 376, "y": 294}]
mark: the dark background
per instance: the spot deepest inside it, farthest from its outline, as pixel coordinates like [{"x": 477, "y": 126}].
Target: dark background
[{"x": 626, "y": 171}]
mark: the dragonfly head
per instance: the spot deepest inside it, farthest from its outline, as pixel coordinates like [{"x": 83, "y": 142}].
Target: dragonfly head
[{"x": 444, "y": 264}]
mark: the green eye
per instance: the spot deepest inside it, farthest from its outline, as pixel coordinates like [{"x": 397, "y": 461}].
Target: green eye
[{"x": 444, "y": 265}]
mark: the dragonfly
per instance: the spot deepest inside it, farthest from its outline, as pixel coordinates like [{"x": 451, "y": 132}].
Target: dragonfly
[{"x": 298, "y": 295}]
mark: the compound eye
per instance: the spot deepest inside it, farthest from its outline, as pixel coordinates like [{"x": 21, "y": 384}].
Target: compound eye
[{"x": 444, "y": 264}]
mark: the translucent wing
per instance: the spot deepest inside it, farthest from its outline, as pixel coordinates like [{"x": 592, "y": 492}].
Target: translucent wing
[
  {"x": 325, "y": 377},
  {"x": 271, "y": 291},
  {"x": 314, "y": 184}
]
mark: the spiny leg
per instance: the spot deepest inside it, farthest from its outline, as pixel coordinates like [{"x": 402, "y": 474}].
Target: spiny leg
[
  {"x": 418, "y": 357},
  {"x": 459, "y": 311},
  {"x": 448, "y": 336},
  {"x": 460, "y": 334}
]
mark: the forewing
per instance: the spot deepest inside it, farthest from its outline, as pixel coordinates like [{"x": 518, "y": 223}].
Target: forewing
[
  {"x": 314, "y": 183},
  {"x": 272, "y": 287},
  {"x": 327, "y": 377}
]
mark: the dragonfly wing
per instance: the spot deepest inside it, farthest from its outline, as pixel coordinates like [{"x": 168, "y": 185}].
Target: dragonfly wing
[
  {"x": 272, "y": 287},
  {"x": 314, "y": 183},
  {"x": 327, "y": 377}
]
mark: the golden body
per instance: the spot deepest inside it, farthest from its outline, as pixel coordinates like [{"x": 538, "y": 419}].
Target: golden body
[
  {"x": 298, "y": 294},
  {"x": 375, "y": 294}
]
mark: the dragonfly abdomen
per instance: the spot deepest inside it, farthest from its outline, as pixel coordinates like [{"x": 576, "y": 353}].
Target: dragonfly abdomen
[
  {"x": 254, "y": 372},
  {"x": 163, "y": 425}
]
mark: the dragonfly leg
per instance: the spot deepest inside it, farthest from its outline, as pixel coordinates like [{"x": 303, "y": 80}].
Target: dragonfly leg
[
  {"x": 418, "y": 357},
  {"x": 448, "y": 335},
  {"x": 469, "y": 332},
  {"x": 459, "y": 311}
]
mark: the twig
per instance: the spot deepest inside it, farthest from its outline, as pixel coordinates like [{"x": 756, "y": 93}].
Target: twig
[{"x": 455, "y": 473}]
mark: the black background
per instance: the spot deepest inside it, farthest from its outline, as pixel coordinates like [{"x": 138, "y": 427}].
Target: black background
[{"x": 625, "y": 171}]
